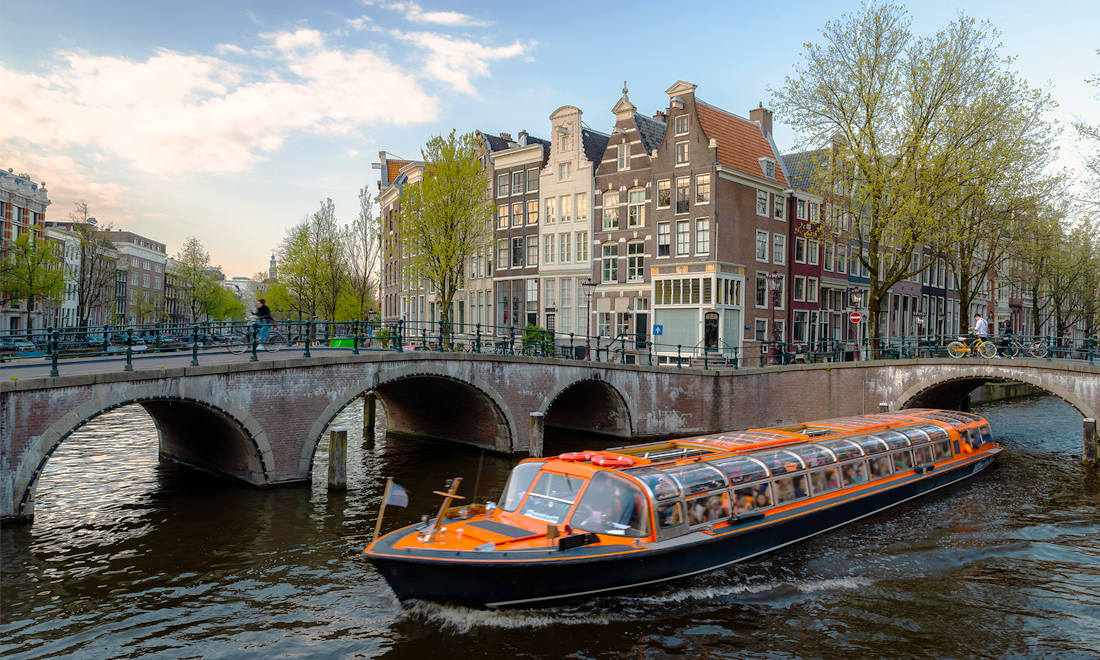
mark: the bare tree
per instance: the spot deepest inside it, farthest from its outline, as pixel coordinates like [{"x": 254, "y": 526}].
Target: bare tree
[
  {"x": 97, "y": 263},
  {"x": 362, "y": 243}
]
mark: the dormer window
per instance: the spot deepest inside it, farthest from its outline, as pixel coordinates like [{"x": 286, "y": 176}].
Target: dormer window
[
  {"x": 768, "y": 165},
  {"x": 681, "y": 125}
]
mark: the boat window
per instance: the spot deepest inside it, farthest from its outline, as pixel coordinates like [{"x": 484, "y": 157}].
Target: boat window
[
  {"x": 552, "y": 497},
  {"x": 987, "y": 435},
  {"x": 903, "y": 460},
  {"x": 843, "y": 448},
  {"x": 880, "y": 466},
  {"x": 894, "y": 439},
  {"x": 934, "y": 432},
  {"x": 611, "y": 505},
  {"x": 697, "y": 478},
  {"x": 523, "y": 475},
  {"x": 823, "y": 481},
  {"x": 854, "y": 473},
  {"x": 971, "y": 439},
  {"x": 923, "y": 455},
  {"x": 790, "y": 489},
  {"x": 780, "y": 461},
  {"x": 662, "y": 486},
  {"x": 741, "y": 469},
  {"x": 752, "y": 498},
  {"x": 916, "y": 435},
  {"x": 871, "y": 444},
  {"x": 670, "y": 514},
  {"x": 709, "y": 508},
  {"x": 943, "y": 450},
  {"x": 813, "y": 455}
]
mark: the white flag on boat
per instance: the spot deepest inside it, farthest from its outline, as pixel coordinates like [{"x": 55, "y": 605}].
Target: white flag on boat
[{"x": 396, "y": 496}]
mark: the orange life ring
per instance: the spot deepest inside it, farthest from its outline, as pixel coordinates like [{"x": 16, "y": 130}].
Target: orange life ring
[
  {"x": 612, "y": 461},
  {"x": 576, "y": 456}
]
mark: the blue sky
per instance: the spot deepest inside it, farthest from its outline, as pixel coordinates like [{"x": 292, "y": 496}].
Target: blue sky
[{"x": 231, "y": 121}]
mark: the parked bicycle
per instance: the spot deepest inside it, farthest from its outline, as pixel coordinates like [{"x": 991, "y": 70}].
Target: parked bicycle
[
  {"x": 1034, "y": 348},
  {"x": 965, "y": 347}
]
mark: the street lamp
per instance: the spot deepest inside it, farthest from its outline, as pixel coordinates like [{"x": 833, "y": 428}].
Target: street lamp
[
  {"x": 919, "y": 318},
  {"x": 775, "y": 283},
  {"x": 589, "y": 288},
  {"x": 855, "y": 295}
]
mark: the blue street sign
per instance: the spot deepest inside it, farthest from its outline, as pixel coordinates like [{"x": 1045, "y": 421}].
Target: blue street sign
[{"x": 658, "y": 330}]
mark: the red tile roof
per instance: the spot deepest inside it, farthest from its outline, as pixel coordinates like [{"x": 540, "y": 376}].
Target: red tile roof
[
  {"x": 393, "y": 169},
  {"x": 740, "y": 141}
]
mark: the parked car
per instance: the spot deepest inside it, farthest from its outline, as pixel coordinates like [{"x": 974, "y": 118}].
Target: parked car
[{"x": 118, "y": 344}]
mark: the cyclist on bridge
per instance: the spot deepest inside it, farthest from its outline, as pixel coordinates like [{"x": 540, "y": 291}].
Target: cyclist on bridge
[
  {"x": 981, "y": 328},
  {"x": 266, "y": 321}
]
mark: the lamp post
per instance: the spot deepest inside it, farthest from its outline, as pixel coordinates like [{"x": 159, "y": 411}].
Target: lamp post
[
  {"x": 589, "y": 288},
  {"x": 775, "y": 283},
  {"x": 919, "y": 317},
  {"x": 855, "y": 294}
]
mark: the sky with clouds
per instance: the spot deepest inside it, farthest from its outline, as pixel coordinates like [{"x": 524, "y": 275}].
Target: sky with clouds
[{"x": 233, "y": 120}]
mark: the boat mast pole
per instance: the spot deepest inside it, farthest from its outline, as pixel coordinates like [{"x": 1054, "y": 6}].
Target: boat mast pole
[
  {"x": 448, "y": 497},
  {"x": 382, "y": 509}
]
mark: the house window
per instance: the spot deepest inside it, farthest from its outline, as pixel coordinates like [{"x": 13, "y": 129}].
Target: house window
[
  {"x": 761, "y": 330},
  {"x": 842, "y": 258},
  {"x": 517, "y": 214},
  {"x": 532, "y": 211},
  {"x": 779, "y": 249},
  {"x": 551, "y": 210},
  {"x": 517, "y": 252},
  {"x": 532, "y": 180},
  {"x": 133, "y": 260},
  {"x": 682, "y": 237},
  {"x": 582, "y": 206},
  {"x": 565, "y": 250},
  {"x": 811, "y": 289},
  {"x": 828, "y": 265},
  {"x": 635, "y": 262},
  {"x": 769, "y": 169},
  {"x": 702, "y": 236},
  {"x": 156, "y": 268},
  {"x": 564, "y": 143},
  {"x": 566, "y": 207},
  {"x": 681, "y": 124},
  {"x": 548, "y": 247},
  {"x": 611, "y": 210},
  {"x": 624, "y": 157},
  {"x": 133, "y": 278},
  {"x": 762, "y": 203},
  {"x": 702, "y": 188},
  {"x": 800, "y": 250},
  {"x": 611, "y": 262},
  {"x": 502, "y": 216},
  {"x": 762, "y": 290},
  {"x": 812, "y": 252},
  {"x": 780, "y": 203},
  {"x": 145, "y": 280},
  {"x": 532, "y": 251},
  {"x": 664, "y": 193},
  {"x": 502, "y": 185},
  {"x": 156, "y": 283},
  {"x": 761, "y": 245},
  {"x": 502, "y": 252},
  {"x": 635, "y": 212},
  {"x": 801, "y": 321},
  {"x": 145, "y": 265},
  {"x": 565, "y": 171},
  {"x": 799, "y": 287},
  {"x": 663, "y": 239},
  {"x": 517, "y": 183},
  {"x": 683, "y": 203},
  {"x": 582, "y": 246},
  {"x": 681, "y": 153},
  {"x": 801, "y": 209},
  {"x": 813, "y": 212}
]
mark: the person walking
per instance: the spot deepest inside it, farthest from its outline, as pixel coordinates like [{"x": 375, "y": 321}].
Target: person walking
[{"x": 265, "y": 321}]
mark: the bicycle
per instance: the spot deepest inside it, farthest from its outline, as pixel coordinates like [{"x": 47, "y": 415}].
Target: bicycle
[
  {"x": 241, "y": 340},
  {"x": 960, "y": 348},
  {"x": 1034, "y": 348}
]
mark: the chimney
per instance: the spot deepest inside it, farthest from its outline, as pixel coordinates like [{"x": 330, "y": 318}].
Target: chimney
[
  {"x": 523, "y": 137},
  {"x": 762, "y": 116},
  {"x": 660, "y": 116},
  {"x": 506, "y": 136}
]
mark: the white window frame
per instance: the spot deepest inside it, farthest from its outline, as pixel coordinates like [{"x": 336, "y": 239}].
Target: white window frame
[
  {"x": 702, "y": 233},
  {"x": 635, "y": 210},
  {"x": 799, "y": 288},
  {"x": 686, "y": 235},
  {"x": 760, "y": 233},
  {"x": 635, "y": 261},
  {"x": 702, "y": 181},
  {"x": 780, "y": 211},
  {"x": 667, "y": 183},
  {"x": 681, "y": 152},
  {"x": 779, "y": 249},
  {"x": 813, "y": 251},
  {"x": 682, "y": 121},
  {"x": 623, "y": 157},
  {"x": 762, "y": 201},
  {"x": 664, "y": 230}
]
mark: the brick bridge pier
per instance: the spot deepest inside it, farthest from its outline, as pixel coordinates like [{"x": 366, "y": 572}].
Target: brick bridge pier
[{"x": 261, "y": 422}]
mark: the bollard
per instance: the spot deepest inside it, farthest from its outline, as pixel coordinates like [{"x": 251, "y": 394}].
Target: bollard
[
  {"x": 536, "y": 429},
  {"x": 1089, "y": 449},
  {"x": 368, "y": 419},
  {"x": 338, "y": 458},
  {"x": 883, "y": 406}
]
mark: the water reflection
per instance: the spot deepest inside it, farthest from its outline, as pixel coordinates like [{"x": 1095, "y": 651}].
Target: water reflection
[{"x": 132, "y": 556}]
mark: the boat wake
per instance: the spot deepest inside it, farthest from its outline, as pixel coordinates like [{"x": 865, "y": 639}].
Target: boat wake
[
  {"x": 464, "y": 619},
  {"x": 712, "y": 592}
]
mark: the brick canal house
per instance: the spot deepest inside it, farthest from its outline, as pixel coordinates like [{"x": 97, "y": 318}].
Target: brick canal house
[
  {"x": 567, "y": 188},
  {"x": 401, "y": 298}
]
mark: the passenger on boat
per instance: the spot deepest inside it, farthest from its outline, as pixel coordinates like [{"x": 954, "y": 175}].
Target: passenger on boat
[
  {"x": 762, "y": 497},
  {"x": 742, "y": 502},
  {"x": 902, "y": 461},
  {"x": 799, "y": 487},
  {"x": 880, "y": 467},
  {"x": 717, "y": 509},
  {"x": 831, "y": 479},
  {"x": 854, "y": 474},
  {"x": 784, "y": 490},
  {"x": 670, "y": 514}
]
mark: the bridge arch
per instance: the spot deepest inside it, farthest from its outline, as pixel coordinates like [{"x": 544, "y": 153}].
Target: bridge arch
[
  {"x": 460, "y": 401},
  {"x": 949, "y": 389},
  {"x": 590, "y": 404},
  {"x": 218, "y": 436}
]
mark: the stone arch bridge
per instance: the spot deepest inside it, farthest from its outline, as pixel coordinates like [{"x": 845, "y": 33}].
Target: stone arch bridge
[{"x": 261, "y": 422}]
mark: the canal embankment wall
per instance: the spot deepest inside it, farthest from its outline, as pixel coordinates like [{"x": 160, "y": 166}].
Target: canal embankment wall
[{"x": 1002, "y": 391}]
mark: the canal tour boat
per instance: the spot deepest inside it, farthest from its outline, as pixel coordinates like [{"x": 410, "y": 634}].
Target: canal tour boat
[{"x": 588, "y": 523}]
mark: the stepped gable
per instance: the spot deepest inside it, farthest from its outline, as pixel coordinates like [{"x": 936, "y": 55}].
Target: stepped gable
[{"x": 741, "y": 142}]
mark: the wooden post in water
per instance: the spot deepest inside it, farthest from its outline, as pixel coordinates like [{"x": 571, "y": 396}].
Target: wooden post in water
[
  {"x": 368, "y": 419},
  {"x": 536, "y": 428},
  {"x": 1090, "y": 452},
  {"x": 338, "y": 458}
]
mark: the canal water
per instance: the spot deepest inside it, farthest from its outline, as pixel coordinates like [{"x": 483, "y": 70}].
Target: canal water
[{"x": 134, "y": 557}]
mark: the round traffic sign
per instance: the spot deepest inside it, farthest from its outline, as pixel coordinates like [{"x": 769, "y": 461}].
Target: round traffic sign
[{"x": 855, "y": 317}]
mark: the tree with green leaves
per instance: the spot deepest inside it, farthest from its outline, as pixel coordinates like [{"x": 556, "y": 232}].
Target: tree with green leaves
[
  {"x": 918, "y": 128},
  {"x": 446, "y": 216},
  {"x": 30, "y": 271},
  {"x": 196, "y": 282}
]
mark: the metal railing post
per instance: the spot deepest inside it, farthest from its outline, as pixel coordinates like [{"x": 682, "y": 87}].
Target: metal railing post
[
  {"x": 195, "y": 346},
  {"x": 255, "y": 335},
  {"x": 511, "y": 340},
  {"x": 679, "y": 360},
  {"x": 355, "y": 338},
  {"x": 53, "y": 334},
  {"x": 597, "y": 348},
  {"x": 129, "y": 350},
  {"x": 477, "y": 338},
  {"x": 309, "y": 336}
]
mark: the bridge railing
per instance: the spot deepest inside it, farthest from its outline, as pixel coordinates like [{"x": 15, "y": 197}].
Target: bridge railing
[{"x": 357, "y": 337}]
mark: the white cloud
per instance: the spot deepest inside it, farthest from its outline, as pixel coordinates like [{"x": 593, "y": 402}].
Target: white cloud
[
  {"x": 457, "y": 61},
  {"x": 193, "y": 113},
  {"x": 413, "y": 12},
  {"x": 352, "y": 153},
  {"x": 361, "y": 23}
]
